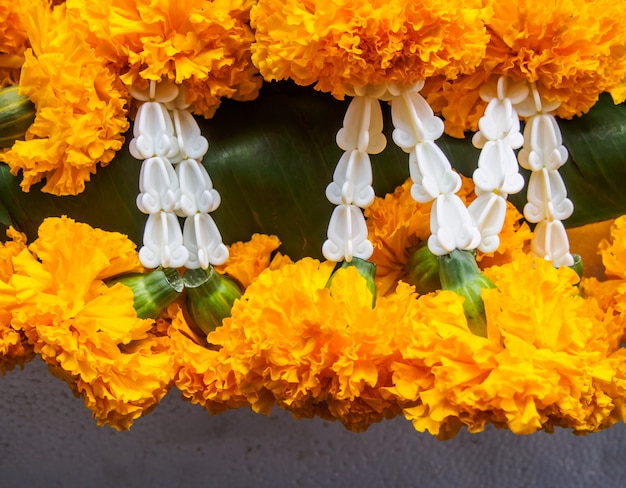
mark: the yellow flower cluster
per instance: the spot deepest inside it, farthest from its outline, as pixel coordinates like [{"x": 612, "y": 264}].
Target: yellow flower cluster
[
  {"x": 13, "y": 43},
  {"x": 87, "y": 332},
  {"x": 340, "y": 45},
  {"x": 202, "y": 45},
  {"x": 80, "y": 109},
  {"x": 398, "y": 224},
  {"x": 549, "y": 360},
  {"x": 552, "y": 356},
  {"x": 572, "y": 49}
]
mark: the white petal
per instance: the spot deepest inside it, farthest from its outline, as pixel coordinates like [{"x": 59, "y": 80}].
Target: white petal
[
  {"x": 347, "y": 235},
  {"x": 191, "y": 143},
  {"x": 154, "y": 132},
  {"x": 413, "y": 120},
  {"x": 431, "y": 173},
  {"x": 551, "y": 242},
  {"x": 451, "y": 226},
  {"x": 204, "y": 242},
  {"x": 196, "y": 189},
  {"x": 352, "y": 180},
  {"x": 488, "y": 212},
  {"x": 362, "y": 126},
  {"x": 163, "y": 242},
  {"x": 158, "y": 185}
]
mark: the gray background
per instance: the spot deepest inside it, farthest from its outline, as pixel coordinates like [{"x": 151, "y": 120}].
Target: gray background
[{"x": 47, "y": 438}]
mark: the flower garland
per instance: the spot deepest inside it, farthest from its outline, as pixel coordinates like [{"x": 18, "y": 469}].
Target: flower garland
[{"x": 437, "y": 302}]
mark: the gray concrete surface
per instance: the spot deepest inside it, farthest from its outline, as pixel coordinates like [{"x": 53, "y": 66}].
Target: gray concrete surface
[{"x": 48, "y": 439}]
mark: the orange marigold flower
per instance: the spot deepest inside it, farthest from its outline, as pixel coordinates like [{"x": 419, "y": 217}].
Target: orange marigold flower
[
  {"x": 246, "y": 260},
  {"x": 347, "y": 44},
  {"x": 548, "y": 361},
  {"x": 80, "y": 110},
  {"x": 200, "y": 44},
  {"x": 14, "y": 348},
  {"x": 86, "y": 331},
  {"x": 199, "y": 372},
  {"x": 611, "y": 293},
  {"x": 572, "y": 49},
  {"x": 320, "y": 351},
  {"x": 13, "y": 43}
]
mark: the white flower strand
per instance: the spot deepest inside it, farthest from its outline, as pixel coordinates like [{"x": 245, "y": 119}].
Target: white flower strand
[
  {"x": 166, "y": 134},
  {"x": 543, "y": 153},
  {"x": 416, "y": 130},
  {"x": 351, "y": 188},
  {"x": 497, "y": 174}
]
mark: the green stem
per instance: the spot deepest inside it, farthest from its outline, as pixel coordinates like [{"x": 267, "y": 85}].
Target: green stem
[
  {"x": 210, "y": 297},
  {"x": 460, "y": 273},
  {"x": 152, "y": 291},
  {"x": 365, "y": 268}
]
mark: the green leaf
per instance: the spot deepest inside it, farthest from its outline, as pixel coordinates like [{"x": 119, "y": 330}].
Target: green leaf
[
  {"x": 596, "y": 170},
  {"x": 271, "y": 160}
]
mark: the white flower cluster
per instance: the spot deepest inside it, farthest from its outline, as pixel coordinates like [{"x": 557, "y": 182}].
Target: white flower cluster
[
  {"x": 452, "y": 225},
  {"x": 497, "y": 174},
  {"x": 543, "y": 153},
  {"x": 351, "y": 188},
  {"x": 416, "y": 130},
  {"x": 173, "y": 183}
]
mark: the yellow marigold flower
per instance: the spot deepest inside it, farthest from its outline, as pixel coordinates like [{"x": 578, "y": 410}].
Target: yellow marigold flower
[
  {"x": 14, "y": 348},
  {"x": 80, "y": 110},
  {"x": 611, "y": 293},
  {"x": 549, "y": 360},
  {"x": 13, "y": 43},
  {"x": 572, "y": 49},
  {"x": 584, "y": 241},
  {"x": 200, "y": 44},
  {"x": 619, "y": 93},
  {"x": 320, "y": 352},
  {"x": 246, "y": 260},
  {"x": 398, "y": 224},
  {"x": 347, "y": 44},
  {"x": 613, "y": 252},
  {"x": 198, "y": 371},
  {"x": 86, "y": 331},
  {"x": 320, "y": 349}
]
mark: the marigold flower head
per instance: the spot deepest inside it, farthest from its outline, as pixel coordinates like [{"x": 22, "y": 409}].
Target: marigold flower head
[
  {"x": 14, "y": 348},
  {"x": 320, "y": 352},
  {"x": 86, "y": 331},
  {"x": 80, "y": 109},
  {"x": 347, "y": 44},
  {"x": 13, "y": 43},
  {"x": 548, "y": 361},
  {"x": 200, "y": 44},
  {"x": 573, "y": 50},
  {"x": 613, "y": 251},
  {"x": 611, "y": 293},
  {"x": 199, "y": 372},
  {"x": 246, "y": 260}
]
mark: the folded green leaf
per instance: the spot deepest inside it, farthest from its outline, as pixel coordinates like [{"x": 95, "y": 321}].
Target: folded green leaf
[{"x": 271, "y": 160}]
